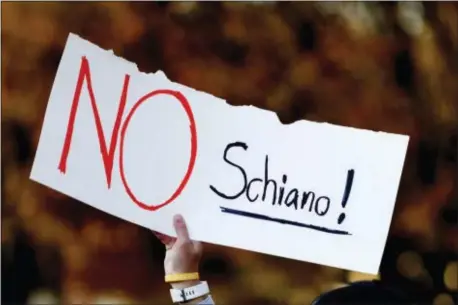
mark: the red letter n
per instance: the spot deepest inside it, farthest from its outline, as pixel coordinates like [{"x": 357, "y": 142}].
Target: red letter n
[{"x": 107, "y": 155}]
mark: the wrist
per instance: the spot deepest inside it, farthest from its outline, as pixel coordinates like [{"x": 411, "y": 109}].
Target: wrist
[{"x": 186, "y": 284}]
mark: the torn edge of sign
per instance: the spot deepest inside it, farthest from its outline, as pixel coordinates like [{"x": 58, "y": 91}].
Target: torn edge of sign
[{"x": 267, "y": 112}]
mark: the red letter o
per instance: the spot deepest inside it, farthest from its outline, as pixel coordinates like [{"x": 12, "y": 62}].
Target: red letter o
[{"x": 184, "y": 102}]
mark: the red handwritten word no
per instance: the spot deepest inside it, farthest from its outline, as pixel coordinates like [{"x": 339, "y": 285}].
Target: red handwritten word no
[{"x": 108, "y": 154}]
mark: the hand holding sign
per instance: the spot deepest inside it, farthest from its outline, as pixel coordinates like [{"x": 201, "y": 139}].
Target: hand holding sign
[
  {"x": 153, "y": 148},
  {"x": 182, "y": 254}
]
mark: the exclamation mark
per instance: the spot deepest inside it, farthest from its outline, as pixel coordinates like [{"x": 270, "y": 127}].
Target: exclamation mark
[{"x": 348, "y": 185}]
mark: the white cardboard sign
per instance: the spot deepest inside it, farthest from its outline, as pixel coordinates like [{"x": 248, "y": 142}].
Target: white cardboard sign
[{"x": 143, "y": 148}]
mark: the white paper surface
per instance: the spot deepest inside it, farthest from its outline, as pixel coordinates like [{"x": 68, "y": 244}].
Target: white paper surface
[{"x": 155, "y": 135}]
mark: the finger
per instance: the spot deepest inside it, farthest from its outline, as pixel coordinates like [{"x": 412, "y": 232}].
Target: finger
[
  {"x": 180, "y": 228},
  {"x": 165, "y": 239},
  {"x": 198, "y": 247}
]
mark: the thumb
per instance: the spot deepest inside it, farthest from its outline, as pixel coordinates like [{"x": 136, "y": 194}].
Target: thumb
[{"x": 180, "y": 228}]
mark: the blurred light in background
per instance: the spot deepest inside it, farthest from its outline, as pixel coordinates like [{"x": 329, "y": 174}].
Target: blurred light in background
[
  {"x": 410, "y": 16},
  {"x": 332, "y": 286},
  {"x": 301, "y": 296},
  {"x": 359, "y": 276},
  {"x": 443, "y": 299},
  {"x": 114, "y": 298},
  {"x": 184, "y": 8},
  {"x": 451, "y": 276},
  {"x": 410, "y": 264},
  {"x": 43, "y": 297}
]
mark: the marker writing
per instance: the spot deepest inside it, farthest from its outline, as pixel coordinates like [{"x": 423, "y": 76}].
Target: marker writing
[{"x": 348, "y": 185}]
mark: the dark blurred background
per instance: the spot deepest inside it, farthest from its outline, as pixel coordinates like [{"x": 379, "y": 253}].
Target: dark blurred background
[{"x": 382, "y": 66}]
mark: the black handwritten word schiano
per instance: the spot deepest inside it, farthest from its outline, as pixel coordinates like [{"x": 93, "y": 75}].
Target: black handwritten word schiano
[
  {"x": 119, "y": 130},
  {"x": 275, "y": 193}
]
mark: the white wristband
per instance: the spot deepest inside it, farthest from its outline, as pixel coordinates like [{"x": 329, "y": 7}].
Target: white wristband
[{"x": 190, "y": 293}]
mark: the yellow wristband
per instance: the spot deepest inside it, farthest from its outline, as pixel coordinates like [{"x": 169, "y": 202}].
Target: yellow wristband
[{"x": 181, "y": 277}]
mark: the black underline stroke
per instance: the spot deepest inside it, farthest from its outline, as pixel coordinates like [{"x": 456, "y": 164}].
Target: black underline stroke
[{"x": 282, "y": 221}]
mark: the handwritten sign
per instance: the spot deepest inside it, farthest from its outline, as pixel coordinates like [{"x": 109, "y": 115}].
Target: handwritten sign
[{"x": 143, "y": 148}]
